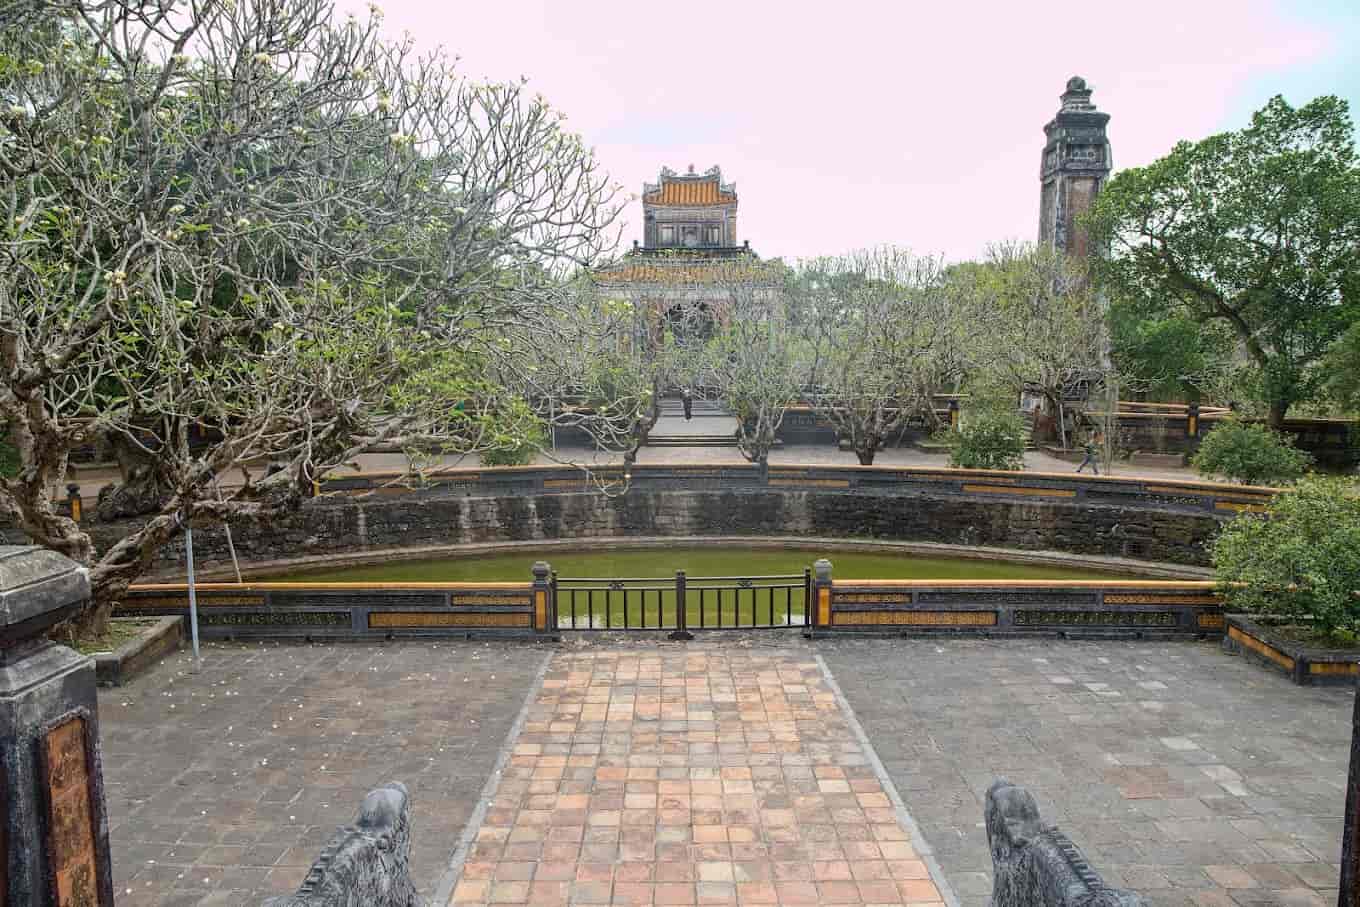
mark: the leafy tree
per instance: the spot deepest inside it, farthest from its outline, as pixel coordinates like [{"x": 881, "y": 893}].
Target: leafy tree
[
  {"x": 1300, "y": 560},
  {"x": 1341, "y": 369},
  {"x": 246, "y": 224},
  {"x": 1251, "y": 454},
  {"x": 1169, "y": 355},
  {"x": 882, "y": 337},
  {"x": 989, "y": 439},
  {"x": 1254, "y": 230},
  {"x": 756, "y": 358}
]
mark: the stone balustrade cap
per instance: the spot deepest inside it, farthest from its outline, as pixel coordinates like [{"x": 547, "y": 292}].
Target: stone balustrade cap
[{"x": 35, "y": 582}]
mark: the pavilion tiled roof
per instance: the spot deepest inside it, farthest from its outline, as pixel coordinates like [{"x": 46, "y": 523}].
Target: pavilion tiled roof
[
  {"x": 690, "y": 192},
  {"x": 687, "y": 270}
]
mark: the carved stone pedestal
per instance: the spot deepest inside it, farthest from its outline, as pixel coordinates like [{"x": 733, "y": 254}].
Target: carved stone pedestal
[{"x": 54, "y": 842}]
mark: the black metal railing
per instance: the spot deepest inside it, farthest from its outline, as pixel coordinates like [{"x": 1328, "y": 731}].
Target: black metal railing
[{"x": 682, "y": 603}]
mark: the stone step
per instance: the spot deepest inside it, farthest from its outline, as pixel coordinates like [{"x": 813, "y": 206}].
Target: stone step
[{"x": 691, "y": 441}]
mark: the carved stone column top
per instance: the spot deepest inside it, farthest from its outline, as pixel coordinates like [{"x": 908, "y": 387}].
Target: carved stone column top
[{"x": 38, "y": 588}]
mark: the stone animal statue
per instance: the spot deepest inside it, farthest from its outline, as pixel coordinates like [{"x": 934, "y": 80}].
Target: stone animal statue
[
  {"x": 140, "y": 494},
  {"x": 366, "y": 864},
  {"x": 1036, "y": 865}
]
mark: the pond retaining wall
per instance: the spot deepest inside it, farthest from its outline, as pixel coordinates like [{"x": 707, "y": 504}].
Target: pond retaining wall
[{"x": 1143, "y": 519}]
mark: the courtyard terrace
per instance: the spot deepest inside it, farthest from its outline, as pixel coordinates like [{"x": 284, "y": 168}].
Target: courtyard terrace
[{"x": 727, "y": 771}]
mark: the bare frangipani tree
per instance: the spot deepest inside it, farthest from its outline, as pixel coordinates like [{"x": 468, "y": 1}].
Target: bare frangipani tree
[
  {"x": 757, "y": 358},
  {"x": 1046, "y": 326},
  {"x": 239, "y": 231},
  {"x": 883, "y": 338}
]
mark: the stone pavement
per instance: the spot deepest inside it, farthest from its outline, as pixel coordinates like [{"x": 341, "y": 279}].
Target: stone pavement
[
  {"x": 224, "y": 786},
  {"x": 1190, "y": 776},
  {"x": 725, "y": 771},
  {"x": 717, "y": 775},
  {"x": 91, "y": 480}
]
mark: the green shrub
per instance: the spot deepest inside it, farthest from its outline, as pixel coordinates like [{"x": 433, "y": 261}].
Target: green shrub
[
  {"x": 1250, "y": 454},
  {"x": 989, "y": 439},
  {"x": 511, "y": 453},
  {"x": 1300, "y": 559},
  {"x": 9, "y": 460}
]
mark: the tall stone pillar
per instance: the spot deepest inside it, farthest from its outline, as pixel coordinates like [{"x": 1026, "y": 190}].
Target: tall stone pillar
[
  {"x": 54, "y": 842},
  {"x": 1075, "y": 164},
  {"x": 1349, "y": 886}
]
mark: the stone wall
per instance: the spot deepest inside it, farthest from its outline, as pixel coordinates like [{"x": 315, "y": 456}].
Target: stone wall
[{"x": 347, "y": 525}]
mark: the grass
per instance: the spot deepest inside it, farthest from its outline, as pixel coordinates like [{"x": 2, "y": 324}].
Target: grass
[
  {"x": 652, "y": 604},
  {"x": 695, "y": 561},
  {"x": 120, "y": 630}
]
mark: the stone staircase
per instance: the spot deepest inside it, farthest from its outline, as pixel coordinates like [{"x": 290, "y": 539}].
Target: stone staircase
[{"x": 711, "y": 425}]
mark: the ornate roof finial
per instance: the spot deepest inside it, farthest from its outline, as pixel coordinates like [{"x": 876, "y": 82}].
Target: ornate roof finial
[
  {"x": 691, "y": 168},
  {"x": 1077, "y": 96}
]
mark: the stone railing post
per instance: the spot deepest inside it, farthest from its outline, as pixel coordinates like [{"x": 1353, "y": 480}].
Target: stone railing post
[
  {"x": 821, "y": 594},
  {"x": 545, "y": 620},
  {"x": 54, "y": 843}
]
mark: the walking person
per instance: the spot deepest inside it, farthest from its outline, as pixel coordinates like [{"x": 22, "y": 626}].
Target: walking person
[
  {"x": 687, "y": 401},
  {"x": 1090, "y": 448}
]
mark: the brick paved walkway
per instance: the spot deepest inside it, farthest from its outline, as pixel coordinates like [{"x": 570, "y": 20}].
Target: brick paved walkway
[{"x": 716, "y": 776}]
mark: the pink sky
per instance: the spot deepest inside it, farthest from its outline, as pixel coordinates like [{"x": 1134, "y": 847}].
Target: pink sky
[{"x": 856, "y": 123}]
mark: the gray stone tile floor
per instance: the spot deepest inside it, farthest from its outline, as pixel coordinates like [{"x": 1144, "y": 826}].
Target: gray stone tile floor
[
  {"x": 1191, "y": 776},
  {"x": 1188, "y": 775},
  {"x": 223, "y": 786},
  {"x": 91, "y": 480}
]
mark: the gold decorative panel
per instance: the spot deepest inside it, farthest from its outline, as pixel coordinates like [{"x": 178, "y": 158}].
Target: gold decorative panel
[
  {"x": 73, "y": 861},
  {"x": 175, "y": 602},
  {"x": 378, "y": 620},
  {"x": 916, "y": 618},
  {"x": 1240, "y": 508},
  {"x": 1334, "y": 667},
  {"x": 1211, "y": 621},
  {"x": 1031, "y": 492},
  {"x": 564, "y": 483},
  {"x": 519, "y": 599},
  {"x": 811, "y": 483},
  {"x": 1251, "y": 642},
  {"x": 887, "y": 598},
  {"x": 1122, "y": 598}
]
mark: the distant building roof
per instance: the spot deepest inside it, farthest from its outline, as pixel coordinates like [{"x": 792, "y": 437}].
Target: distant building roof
[
  {"x": 731, "y": 265},
  {"x": 689, "y": 190}
]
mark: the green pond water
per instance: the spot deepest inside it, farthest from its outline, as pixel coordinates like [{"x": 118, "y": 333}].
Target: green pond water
[
  {"x": 709, "y": 561},
  {"x": 653, "y": 604}
]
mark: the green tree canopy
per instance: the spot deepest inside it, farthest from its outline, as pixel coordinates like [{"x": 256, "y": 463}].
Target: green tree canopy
[{"x": 1256, "y": 230}]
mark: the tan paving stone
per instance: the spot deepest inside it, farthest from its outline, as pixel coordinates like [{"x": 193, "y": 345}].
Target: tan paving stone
[{"x": 700, "y": 777}]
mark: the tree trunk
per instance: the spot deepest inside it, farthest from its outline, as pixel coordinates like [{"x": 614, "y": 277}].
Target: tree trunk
[
  {"x": 865, "y": 451},
  {"x": 1275, "y": 417},
  {"x": 89, "y": 624}
]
